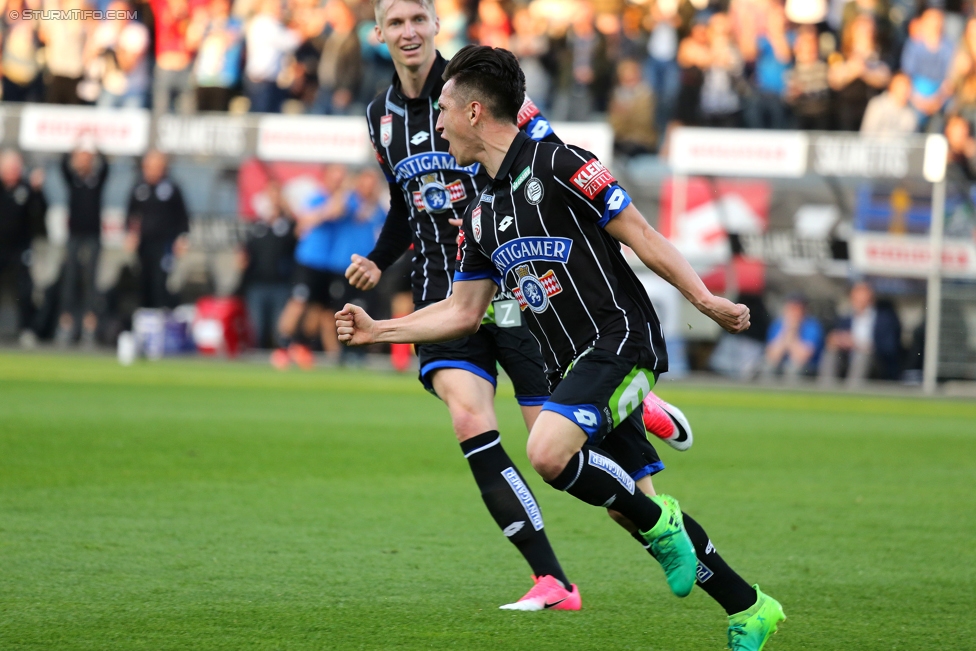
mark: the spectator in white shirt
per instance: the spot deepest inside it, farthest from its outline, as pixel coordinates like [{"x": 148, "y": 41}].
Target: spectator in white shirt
[
  {"x": 64, "y": 45},
  {"x": 268, "y": 42},
  {"x": 116, "y": 64},
  {"x": 889, "y": 113}
]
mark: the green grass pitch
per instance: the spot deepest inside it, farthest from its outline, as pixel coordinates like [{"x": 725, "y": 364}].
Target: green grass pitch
[{"x": 206, "y": 505}]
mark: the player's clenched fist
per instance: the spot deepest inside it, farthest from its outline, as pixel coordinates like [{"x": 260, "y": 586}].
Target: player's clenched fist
[
  {"x": 362, "y": 273},
  {"x": 734, "y": 317},
  {"x": 354, "y": 326}
]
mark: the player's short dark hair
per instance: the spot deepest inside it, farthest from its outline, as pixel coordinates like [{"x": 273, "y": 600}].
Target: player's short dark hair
[{"x": 492, "y": 76}]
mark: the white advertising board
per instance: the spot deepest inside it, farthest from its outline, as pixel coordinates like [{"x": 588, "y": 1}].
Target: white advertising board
[
  {"x": 910, "y": 256},
  {"x": 123, "y": 132},
  {"x": 738, "y": 152},
  {"x": 313, "y": 139}
]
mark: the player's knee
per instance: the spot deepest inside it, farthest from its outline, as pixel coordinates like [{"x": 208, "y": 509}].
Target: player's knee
[
  {"x": 545, "y": 461},
  {"x": 468, "y": 423}
]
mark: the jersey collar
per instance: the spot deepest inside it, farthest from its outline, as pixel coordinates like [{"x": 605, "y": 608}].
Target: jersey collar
[
  {"x": 510, "y": 157},
  {"x": 432, "y": 87}
]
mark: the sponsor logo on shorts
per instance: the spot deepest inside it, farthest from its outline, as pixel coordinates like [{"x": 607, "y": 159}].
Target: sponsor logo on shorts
[
  {"x": 592, "y": 177},
  {"x": 513, "y": 528},
  {"x": 611, "y": 468},
  {"x": 703, "y": 573},
  {"x": 524, "y": 495}
]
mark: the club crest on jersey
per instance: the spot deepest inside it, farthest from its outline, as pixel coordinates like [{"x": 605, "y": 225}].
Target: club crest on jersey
[
  {"x": 434, "y": 196},
  {"x": 592, "y": 177},
  {"x": 531, "y": 249},
  {"x": 386, "y": 130},
  {"x": 476, "y": 223},
  {"x": 534, "y": 191},
  {"x": 533, "y": 292}
]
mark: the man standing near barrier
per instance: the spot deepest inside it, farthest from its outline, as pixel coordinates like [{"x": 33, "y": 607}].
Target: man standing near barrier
[
  {"x": 429, "y": 192},
  {"x": 548, "y": 229}
]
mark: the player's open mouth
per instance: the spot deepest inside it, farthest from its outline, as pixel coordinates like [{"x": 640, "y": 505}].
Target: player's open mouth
[{"x": 410, "y": 48}]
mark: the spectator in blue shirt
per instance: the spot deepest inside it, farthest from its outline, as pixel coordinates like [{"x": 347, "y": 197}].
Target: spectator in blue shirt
[
  {"x": 357, "y": 230},
  {"x": 318, "y": 289},
  {"x": 220, "y": 46},
  {"x": 927, "y": 58},
  {"x": 773, "y": 53},
  {"x": 793, "y": 342}
]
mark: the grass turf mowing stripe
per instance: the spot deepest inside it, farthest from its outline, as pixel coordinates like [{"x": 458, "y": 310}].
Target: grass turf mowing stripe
[{"x": 205, "y": 505}]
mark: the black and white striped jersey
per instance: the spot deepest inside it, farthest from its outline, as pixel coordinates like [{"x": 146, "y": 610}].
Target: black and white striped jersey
[
  {"x": 538, "y": 232},
  {"x": 427, "y": 186}
]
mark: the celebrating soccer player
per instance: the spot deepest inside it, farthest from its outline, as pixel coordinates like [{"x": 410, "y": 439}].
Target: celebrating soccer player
[
  {"x": 548, "y": 230},
  {"x": 429, "y": 192}
]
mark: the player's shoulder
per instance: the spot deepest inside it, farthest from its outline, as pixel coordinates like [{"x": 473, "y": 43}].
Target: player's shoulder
[
  {"x": 563, "y": 159},
  {"x": 382, "y": 104}
]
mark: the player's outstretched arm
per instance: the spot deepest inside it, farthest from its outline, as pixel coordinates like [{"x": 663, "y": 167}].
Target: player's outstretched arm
[
  {"x": 457, "y": 316},
  {"x": 661, "y": 257}
]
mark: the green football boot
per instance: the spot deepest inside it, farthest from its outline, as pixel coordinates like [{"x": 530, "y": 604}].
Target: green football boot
[
  {"x": 672, "y": 547},
  {"x": 749, "y": 630}
]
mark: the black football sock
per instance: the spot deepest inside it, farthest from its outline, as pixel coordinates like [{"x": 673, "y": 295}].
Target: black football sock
[
  {"x": 715, "y": 576},
  {"x": 595, "y": 478},
  {"x": 511, "y": 503},
  {"x": 643, "y": 543}
]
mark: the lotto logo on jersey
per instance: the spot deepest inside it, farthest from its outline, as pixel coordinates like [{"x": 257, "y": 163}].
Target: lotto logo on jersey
[
  {"x": 386, "y": 130},
  {"x": 528, "y": 111},
  {"x": 538, "y": 128},
  {"x": 592, "y": 177}
]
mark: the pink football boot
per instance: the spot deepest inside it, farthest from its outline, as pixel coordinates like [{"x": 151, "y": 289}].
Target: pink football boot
[
  {"x": 666, "y": 422},
  {"x": 547, "y": 594}
]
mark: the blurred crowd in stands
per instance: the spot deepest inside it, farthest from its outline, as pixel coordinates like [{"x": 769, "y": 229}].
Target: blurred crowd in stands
[
  {"x": 878, "y": 66},
  {"x": 290, "y": 261},
  {"x": 873, "y": 65}
]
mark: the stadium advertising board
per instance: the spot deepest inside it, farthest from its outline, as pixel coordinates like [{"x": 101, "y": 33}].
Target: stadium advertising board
[
  {"x": 302, "y": 138},
  {"x": 910, "y": 256},
  {"x": 738, "y": 152},
  {"x": 779, "y": 154},
  {"x": 210, "y": 135},
  {"x": 123, "y": 132}
]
